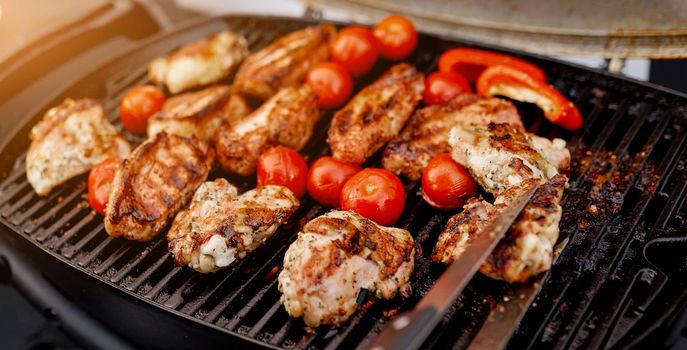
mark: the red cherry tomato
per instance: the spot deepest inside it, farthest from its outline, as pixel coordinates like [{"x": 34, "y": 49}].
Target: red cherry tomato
[
  {"x": 100, "y": 183},
  {"x": 139, "y": 104},
  {"x": 446, "y": 184},
  {"x": 331, "y": 82},
  {"x": 397, "y": 37},
  {"x": 283, "y": 166},
  {"x": 441, "y": 87},
  {"x": 356, "y": 48},
  {"x": 376, "y": 194},
  {"x": 326, "y": 177}
]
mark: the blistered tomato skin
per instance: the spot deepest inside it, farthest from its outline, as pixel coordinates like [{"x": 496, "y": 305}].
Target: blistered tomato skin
[{"x": 376, "y": 194}]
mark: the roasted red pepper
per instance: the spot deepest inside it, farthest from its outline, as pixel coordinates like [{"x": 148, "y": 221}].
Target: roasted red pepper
[
  {"x": 471, "y": 62},
  {"x": 520, "y": 86}
]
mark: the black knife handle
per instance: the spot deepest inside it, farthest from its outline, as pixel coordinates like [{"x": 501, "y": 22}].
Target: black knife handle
[{"x": 408, "y": 330}]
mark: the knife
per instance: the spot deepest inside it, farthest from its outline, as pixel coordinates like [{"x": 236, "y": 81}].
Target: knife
[{"x": 410, "y": 329}]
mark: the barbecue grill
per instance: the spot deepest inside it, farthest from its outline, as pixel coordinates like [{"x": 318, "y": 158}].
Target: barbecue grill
[{"x": 620, "y": 281}]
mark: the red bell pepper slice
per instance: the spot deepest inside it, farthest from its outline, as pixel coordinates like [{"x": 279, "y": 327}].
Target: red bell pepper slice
[
  {"x": 520, "y": 86},
  {"x": 471, "y": 62}
]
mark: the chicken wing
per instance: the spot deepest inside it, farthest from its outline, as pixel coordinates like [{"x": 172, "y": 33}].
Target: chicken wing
[
  {"x": 69, "y": 141},
  {"x": 287, "y": 119},
  {"x": 376, "y": 114},
  {"x": 221, "y": 226},
  {"x": 335, "y": 256},
  {"x": 199, "y": 114},
  {"x": 426, "y": 134},
  {"x": 284, "y": 62},
  {"x": 203, "y": 62},
  {"x": 154, "y": 183}
]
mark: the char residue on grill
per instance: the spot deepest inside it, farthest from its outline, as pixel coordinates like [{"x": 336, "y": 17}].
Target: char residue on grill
[{"x": 627, "y": 189}]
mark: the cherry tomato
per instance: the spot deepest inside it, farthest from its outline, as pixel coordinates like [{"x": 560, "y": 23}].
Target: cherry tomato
[
  {"x": 326, "y": 177},
  {"x": 446, "y": 184},
  {"x": 356, "y": 48},
  {"x": 139, "y": 104},
  {"x": 376, "y": 194},
  {"x": 283, "y": 166},
  {"x": 100, "y": 183},
  {"x": 397, "y": 37},
  {"x": 441, "y": 87},
  {"x": 331, "y": 82}
]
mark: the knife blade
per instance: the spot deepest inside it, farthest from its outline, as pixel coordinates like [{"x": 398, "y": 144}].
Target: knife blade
[{"x": 409, "y": 330}]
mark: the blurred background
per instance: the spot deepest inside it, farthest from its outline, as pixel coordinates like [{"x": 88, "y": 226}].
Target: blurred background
[{"x": 644, "y": 40}]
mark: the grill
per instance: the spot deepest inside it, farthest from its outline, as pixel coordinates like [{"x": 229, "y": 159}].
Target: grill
[{"x": 620, "y": 277}]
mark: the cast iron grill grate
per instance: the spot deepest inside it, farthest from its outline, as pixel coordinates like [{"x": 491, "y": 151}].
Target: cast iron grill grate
[{"x": 627, "y": 190}]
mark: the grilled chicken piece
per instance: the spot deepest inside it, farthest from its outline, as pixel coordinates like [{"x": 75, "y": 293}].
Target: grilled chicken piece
[
  {"x": 69, "y": 141},
  {"x": 554, "y": 151},
  {"x": 335, "y": 256},
  {"x": 498, "y": 156},
  {"x": 221, "y": 226},
  {"x": 527, "y": 248},
  {"x": 286, "y": 119},
  {"x": 505, "y": 161},
  {"x": 284, "y": 62},
  {"x": 154, "y": 183},
  {"x": 203, "y": 62},
  {"x": 376, "y": 114},
  {"x": 426, "y": 134},
  {"x": 463, "y": 227},
  {"x": 199, "y": 114}
]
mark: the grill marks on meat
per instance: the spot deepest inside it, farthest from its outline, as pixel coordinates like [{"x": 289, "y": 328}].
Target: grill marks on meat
[
  {"x": 199, "y": 114},
  {"x": 284, "y": 62},
  {"x": 527, "y": 248},
  {"x": 498, "y": 156},
  {"x": 335, "y": 256},
  {"x": 69, "y": 141},
  {"x": 221, "y": 226},
  {"x": 286, "y": 119},
  {"x": 203, "y": 62},
  {"x": 376, "y": 114},
  {"x": 426, "y": 134},
  {"x": 506, "y": 162},
  {"x": 154, "y": 183}
]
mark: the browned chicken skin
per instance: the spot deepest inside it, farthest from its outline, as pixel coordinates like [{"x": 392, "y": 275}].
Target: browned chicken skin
[
  {"x": 335, "y": 256},
  {"x": 286, "y": 119},
  {"x": 284, "y": 62},
  {"x": 154, "y": 183},
  {"x": 376, "y": 114},
  {"x": 426, "y": 134},
  {"x": 221, "y": 226},
  {"x": 505, "y": 161},
  {"x": 198, "y": 114}
]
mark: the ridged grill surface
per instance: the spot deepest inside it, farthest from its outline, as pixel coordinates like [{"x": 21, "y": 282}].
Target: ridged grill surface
[{"x": 610, "y": 283}]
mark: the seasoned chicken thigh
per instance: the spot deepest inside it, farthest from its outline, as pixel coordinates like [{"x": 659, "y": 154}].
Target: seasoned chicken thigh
[
  {"x": 284, "y": 62},
  {"x": 154, "y": 183},
  {"x": 198, "y": 114},
  {"x": 376, "y": 114},
  {"x": 426, "y": 134},
  {"x": 286, "y": 119},
  {"x": 506, "y": 162},
  {"x": 69, "y": 141},
  {"x": 221, "y": 226},
  {"x": 335, "y": 256},
  {"x": 203, "y": 62}
]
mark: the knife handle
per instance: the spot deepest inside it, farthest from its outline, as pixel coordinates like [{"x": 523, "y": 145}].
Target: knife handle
[{"x": 408, "y": 330}]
